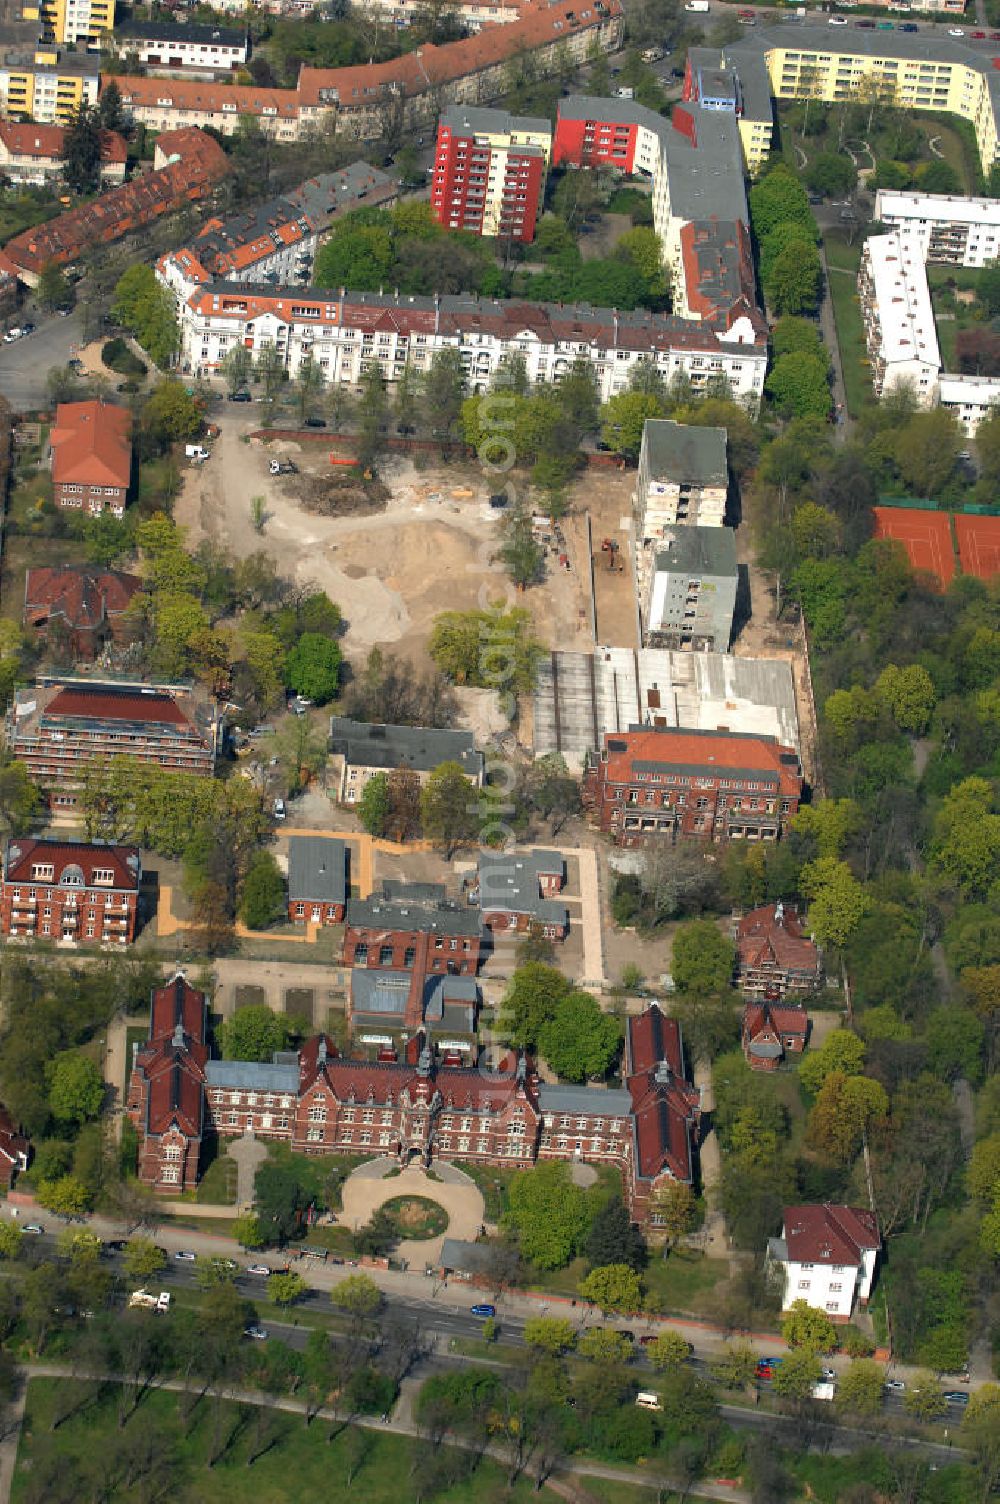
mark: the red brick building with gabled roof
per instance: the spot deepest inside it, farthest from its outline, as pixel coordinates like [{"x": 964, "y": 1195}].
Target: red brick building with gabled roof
[
  {"x": 70, "y": 891},
  {"x": 91, "y": 457},
  {"x": 773, "y": 953},
  {"x": 770, "y": 1031},
  {"x": 79, "y": 608},
  {"x": 15, "y": 1150},
  {"x": 664, "y": 782},
  {"x": 166, "y": 1094}
]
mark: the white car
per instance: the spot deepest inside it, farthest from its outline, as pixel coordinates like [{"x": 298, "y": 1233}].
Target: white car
[
  {"x": 955, "y": 31},
  {"x": 186, "y": 1255},
  {"x": 256, "y": 1333},
  {"x": 279, "y": 809},
  {"x": 260, "y": 1269},
  {"x": 836, "y": 21}
]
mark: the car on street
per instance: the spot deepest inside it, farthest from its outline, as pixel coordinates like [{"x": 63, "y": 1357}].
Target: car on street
[
  {"x": 240, "y": 397},
  {"x": 828, "y": 1375},
  {"x": 978, "y": 36},
  {"x": 837, "y": 21},
  {"x": 908, "y": 26},
  {"x": 483, "y": 1310},
  {"x": 956, "y": 1397},
  {"x": 256, "y": 1333},
  {"x": 260, "y": 1269},
  {"x": 955, "y": 31},
  {"x": 995, "y": 36},
  {"x": 315, "y": 423},
  {"x": 866, "y": 25},
  {"x": 279, "y": 809},
  {"x": 34, "y": 1227},
  {"x": 895, "y": 1386},
  {"x": 116, "y": 1245},
  {"x": 185, "y": 1255}
]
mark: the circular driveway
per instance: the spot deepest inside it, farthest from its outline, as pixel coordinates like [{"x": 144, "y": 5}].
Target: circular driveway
[{"x": 367, "y": 1189}]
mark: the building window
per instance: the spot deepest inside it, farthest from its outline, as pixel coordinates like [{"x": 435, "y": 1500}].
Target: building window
[{"x": 170, "y": 1175}]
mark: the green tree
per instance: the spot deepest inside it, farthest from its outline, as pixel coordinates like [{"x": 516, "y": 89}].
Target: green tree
[
  {"x": 832, "y": 173},
  {"x": 838, "y": 902},
  {"x": 20, "y": 799},
  {"x": 808, "y": 1328},
  {"x": 613, "y": 1287},
  {"x": 269, "y": 369},
  {"x": 312, "y": 667},
  {"x": 580, "y": 1041},
  {"x": 623, "y": 419},
  {"x": 980, "y": 1435},
  {"x": 263, "y": 900},
  {"x": 793, "y": 286},
  {"x": 674, "y": 1210},
  {"x": 799, "y": 385},
  {"x": 954, "y": 1039},
  {"x": 797, "y": 1375},
  {"x": 552, "y": 1334},
  {"x": 286, "y": 1288},
  {"x": 253, "y": 1033},
  {"x": 983, "y": 1175},
  {"x": 702, "y": 958},
  {"x": 373, "y": 415},
  {"x": 444, "y": 393},
  {"x": 143, "y": 1259},
  {"x": 735, "y": 1367},
  {"x": 841, "y": 1050},
  {"x": 520, "y": 553},
  {"x": 549, "y": 1214},
  {"x": 449, "y": 808},
  {"x": 614, "y": 1238},
  {"x": 53, "y": 290},
  {"x": 926, "y": 450},
  {"x": 846, "y": 1108},
  {"x": 171, "y": 413},
  {"x": 792, "y": 335},
  {"x": 247, "y": 1231},
  {"x": 11, "y": 1237},
  {"x": 666, "y": 1351},
  {"x": 909, "y": 695},
  {"x": 82, "y": 150},
  {"x": 358, "y": 1294},
  {"x": 777, "y": 198},
  {"x": 308, "y": 385},
  {"x": 491, "y": 649},
  {"x": 237, "y": 368},
  {"x": 829, "y": 824},
  {"x": 530, "y": 1004},
  {"x": 146, "y": 309},
  {"x": 923, "y": 1398},
  {"x": 604, "y": 1346},
  {"x": 374, "y": 806},
  {"x": 965, "y": 846},
  {"x": 67, "y": 1196},
  {"x": 109, "y": 106},
  {"x": 76, "y": 1088}
]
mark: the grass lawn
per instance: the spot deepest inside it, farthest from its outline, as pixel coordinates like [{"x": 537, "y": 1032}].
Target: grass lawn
[
  {"x": 323, "y": 1174},
  {"x": 494, "y": 1184},
  {"x": 686, "y": 1282},
  {"x": 300, "y": 1463},
  {"x": 218, "y": 1184},
  {"x": 843, "y": 261}
]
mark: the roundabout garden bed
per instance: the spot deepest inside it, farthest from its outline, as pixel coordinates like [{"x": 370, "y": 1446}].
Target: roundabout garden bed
[{"x": 416, "y": 1217}]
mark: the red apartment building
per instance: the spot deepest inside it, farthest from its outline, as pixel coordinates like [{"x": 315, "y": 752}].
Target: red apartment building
[
  {"x": 413, "y": 926},
  {"x": 665, "y": 782},
  {"x": 608, "y": 138},
  {"x": 70, "y": 891},
  {"x": 489, "y": 172},
  {"x": 322, "y": 1103},
  {"x": 78, "y": 610},
  {"x": 91, "y": 457},
  {"x": 56, "y": 727}
]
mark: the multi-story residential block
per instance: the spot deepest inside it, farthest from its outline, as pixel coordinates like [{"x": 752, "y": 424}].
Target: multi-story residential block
[
  {"x": 473, "y": 14},
  {"x": 405, "y": 92},
  {"x": 770, "y": 1031},
  {"x": 34, "y": 154},
  {"x": 827, "y": 1255},
  {"x": 60, "y": 725},
  {"x": 169, "y": 45},
  {"x": 413, "y": 927},
  {"x": 427, "y": 1105},
  {"x": 70, "y": 891},
  {"x": 76, "y": 610},
  {"x": 489, "y": 172},
  {"x": 165, "y": 1101},
  {"x": 690, "y": 598},
  {"x": 516, "y": 891},
  {"x": 91, "y": 450},
  {"x": 360, "y": 749},
  {"x": 667, "y": 783},
  {"x": 683, "y": 477},
  {"x": 950, "y": 231},
  {"x": 343, "y": 332},
  {"x": 187, "y": 165},
  {"x": 317, "y": 880},
  {"x": 774, "y": 956},
  {"x": 580, "y": 697},
  {"x": 47, "y": 86},
  {"x": 76, "y": 23}
]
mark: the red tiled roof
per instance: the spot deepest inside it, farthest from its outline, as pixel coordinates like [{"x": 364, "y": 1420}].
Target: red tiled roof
[
  {"x": 829, "y": 1234},
  {"x": 13, "y": 1144},
  {"x": 664, "y": 1112},
  {"x": 760, "y": 1018},
  {"x": 82, "y": 597},
  {"x": 47, "y": 142},
  {"x": 206, "y": 96},
  {"x": 115, "y": 705},
  {"x": 721, "y": 752},
  {"x": 382, "y": 1079},
  {"x": 22, "y": 852},
  {"x": 761, "y": 939},
  {"x": 91, "y": 445},
  {"x": 178, "y": 1004},
  {"x": 651, "y": 1038},
  {"x": 176, "y": 1075}
]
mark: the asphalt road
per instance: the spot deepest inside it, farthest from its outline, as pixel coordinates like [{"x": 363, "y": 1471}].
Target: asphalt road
[{"x": 25, "y": 364}]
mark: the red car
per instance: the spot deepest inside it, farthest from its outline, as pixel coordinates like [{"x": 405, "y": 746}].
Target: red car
[
  {"x": 995, "y": 36},
  {"x": 978, "y": 36}
]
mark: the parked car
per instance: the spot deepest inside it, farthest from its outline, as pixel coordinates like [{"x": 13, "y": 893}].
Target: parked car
[
  {"x": 828, "y": 1375},
  {"x": 978, "y": 36},
  {"x": 956, "y": 1397},
  {"x": 278, "y": 810},
  {"x": 866, "y": 25},
  {"x": 955, "y": 31},
  {"x": 185, "y": 1255},
  {"x": 908, "y": 26},
  {"x": 34, "y": 1227},
  {"x": 256, "y": 1333},
  {"x": 240, "y": 397},
  {"x": 260, "y": 1269},
  {"x": 315, "y": 423},
  {"x": 837, "y": 21},
  {"x": 895, "y": 1386},
  {"x": 483, "y": 1310}
]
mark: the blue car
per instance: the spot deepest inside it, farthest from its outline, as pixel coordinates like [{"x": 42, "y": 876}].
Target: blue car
[{"x": 484, "y": 1311}]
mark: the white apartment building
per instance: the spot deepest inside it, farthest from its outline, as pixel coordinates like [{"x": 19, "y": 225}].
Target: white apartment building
[
  {"x": 827, "y": 1255},
  {"x": 950, "y": 230},
  {"x": 899, "y": 321},
  {"x": 343, "y": 332},
  {"x": 190, "y": 48},
  {"x": 683, "y": 476},
  {"x": 474, "y": 14}
]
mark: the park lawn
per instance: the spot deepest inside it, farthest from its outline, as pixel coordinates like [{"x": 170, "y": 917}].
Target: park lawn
[
  {"x": 322, "y": 1174},
  {"x": 686, "y": 1282},
  {"x": 842, "y": 262},
  {"x": 610, "y": 1491},
  {"x": 300, "y": 1464},
  {"x": 827, "y": 1479},
  {"x": 218, "y": 1184}
]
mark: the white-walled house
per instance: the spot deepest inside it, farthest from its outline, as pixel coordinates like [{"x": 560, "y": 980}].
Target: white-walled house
[{"x": 827, "y": 1254}]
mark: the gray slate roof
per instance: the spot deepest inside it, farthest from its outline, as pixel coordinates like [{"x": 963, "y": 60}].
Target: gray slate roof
[
  {"x": 508, "y": 882},
  {"x": 317, "y": 869},
  {"x": 328, "y": 195},
  {"x": 484, "y": 121},
  {"x": 172, "y": 31},
  {"x": 686, "y": 453},
  {"x": 699, "y": 550},
  {"x": 422, "y": 748},
  {"x": 379, "y": 992},
  {"x": 584, "y": 1099},
  {"x": 253, "y": 1075},
  {"x": 403, "y": 910}
]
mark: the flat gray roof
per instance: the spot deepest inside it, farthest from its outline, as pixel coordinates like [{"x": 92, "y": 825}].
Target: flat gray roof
[
  {"x": 706, "y": 550},
  {"x": 686, "y": 453},
  {"x": 317, "y": 869},
  {"x": 253, "y": 1075},
  {"x": 422, "y": 748},
  {"x": 509, "y": 881},
  {"x": 584, "y": 1099},
  {"x": 484, "y": 120}
]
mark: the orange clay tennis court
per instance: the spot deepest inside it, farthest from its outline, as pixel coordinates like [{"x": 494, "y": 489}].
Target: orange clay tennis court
[
  {"x": 926, "y": 536},
  {"x": 979, "y": 545}
]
